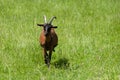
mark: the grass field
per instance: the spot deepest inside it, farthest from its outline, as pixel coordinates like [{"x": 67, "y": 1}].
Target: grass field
[{"x": 89, "y": 40}]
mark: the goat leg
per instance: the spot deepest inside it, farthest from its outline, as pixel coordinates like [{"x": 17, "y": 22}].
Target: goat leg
[
  {"x": 50, "y": 54},
  {"x": 49, "y": 58},
  {"x": 45, "y": 55},
  {"x": 54, "y": 47}
]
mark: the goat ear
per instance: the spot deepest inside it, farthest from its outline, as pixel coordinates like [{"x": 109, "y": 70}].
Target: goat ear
[
  {"x": 40, "y": 25},
  {"x": 54, "y": 27}
]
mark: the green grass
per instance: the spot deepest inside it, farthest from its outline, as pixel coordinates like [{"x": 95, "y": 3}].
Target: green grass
[{"x": 89, "y": 40}]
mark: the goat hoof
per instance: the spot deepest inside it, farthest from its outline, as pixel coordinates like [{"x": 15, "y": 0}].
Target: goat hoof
[{"x": 48, "y": 64}]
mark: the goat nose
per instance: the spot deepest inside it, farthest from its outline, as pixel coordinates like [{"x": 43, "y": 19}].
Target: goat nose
[{"x": 45, "y": 33}]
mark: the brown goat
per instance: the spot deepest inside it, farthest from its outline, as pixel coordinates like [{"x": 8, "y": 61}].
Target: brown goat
[{"x": 48, "y": 39}]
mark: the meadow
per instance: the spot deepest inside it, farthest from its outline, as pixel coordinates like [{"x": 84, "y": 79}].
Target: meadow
[{"x": 89, "y": 40}]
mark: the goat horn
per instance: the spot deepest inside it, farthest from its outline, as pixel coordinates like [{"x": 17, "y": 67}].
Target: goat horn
[
  {"x": 52, "y": 19},
  {"x": 45, "y": 19}
]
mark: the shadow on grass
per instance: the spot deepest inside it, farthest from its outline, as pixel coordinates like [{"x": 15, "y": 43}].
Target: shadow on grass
[{"x": 61, "y": 63}]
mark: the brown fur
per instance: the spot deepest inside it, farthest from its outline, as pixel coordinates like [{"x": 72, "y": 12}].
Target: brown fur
[{"x": 49, "y": 41}]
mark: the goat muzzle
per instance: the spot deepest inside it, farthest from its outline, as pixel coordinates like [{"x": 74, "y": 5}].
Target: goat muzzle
[{"x": 46, "y": 33}]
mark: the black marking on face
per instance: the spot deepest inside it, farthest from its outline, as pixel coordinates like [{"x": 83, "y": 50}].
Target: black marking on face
[{"x": 47, "y": 28}]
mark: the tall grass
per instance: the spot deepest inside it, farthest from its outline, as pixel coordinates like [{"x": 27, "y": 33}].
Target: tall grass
[{"x": 89, "y": 40}]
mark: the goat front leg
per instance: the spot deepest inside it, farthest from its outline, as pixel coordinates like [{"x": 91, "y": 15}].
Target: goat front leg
[
  {"x": 50, "y": 54},
  {"x": 45, "y": 55},
  {"x": 49, "y": 58}
]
